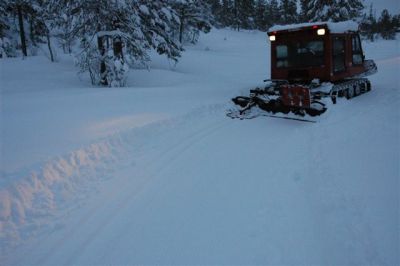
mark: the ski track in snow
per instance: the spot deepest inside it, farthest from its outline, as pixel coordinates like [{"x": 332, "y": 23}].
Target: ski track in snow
[{"x": 88, "y": 163}]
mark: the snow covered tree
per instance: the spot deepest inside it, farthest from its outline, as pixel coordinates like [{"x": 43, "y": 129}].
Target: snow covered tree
[
  {"x": 396, "y": 22},
  {"x": 27, "y": 19},
  {"x": 272, "y": 13},
  {"x": 288, "y": 9},
  {"x": 386, "y": 27},
  {"x": 318, "y": 10},
  {"x": 226, "y": 15},
  {"x": 304, "y": 15},
  {"x": 20, "y": 10},
  {"x": 63, "y": 21},
  {"x": 41, "y": 23},
  {"x": 331, "y": 10},
  {"x": 259, "y": 16},
  {"x": 244, "y": 14},
  {"x": 118, "y": 33},
  {"x": 3, "y": 19},
  {"x": 347, "y": 10},
  {"x": 194, "y": 17},
  {"x": 368, "y": 25},
  {"x": 215, "y": 9},
  {"x": 7, "y": 48}
]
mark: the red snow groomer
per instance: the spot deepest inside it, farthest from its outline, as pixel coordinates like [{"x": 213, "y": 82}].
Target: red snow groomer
[{"x": 309, "y": 63}]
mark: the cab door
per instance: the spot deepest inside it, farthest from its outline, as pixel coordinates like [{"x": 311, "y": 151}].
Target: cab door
[
  {"x": 356, "y": 49},
  {"x": 338, "y": 54}
]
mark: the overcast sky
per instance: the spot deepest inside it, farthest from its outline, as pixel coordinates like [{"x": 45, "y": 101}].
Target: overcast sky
[{"x": 392, "y": 5}]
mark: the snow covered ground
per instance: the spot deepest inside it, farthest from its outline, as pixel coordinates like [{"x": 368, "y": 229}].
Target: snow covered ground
[{"x": 155, "y": 173}]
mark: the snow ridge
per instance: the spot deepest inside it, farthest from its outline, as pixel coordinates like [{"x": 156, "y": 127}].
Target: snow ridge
[
  {"x": 38, "y": 194},
  {"x": 30, "y": 198}
]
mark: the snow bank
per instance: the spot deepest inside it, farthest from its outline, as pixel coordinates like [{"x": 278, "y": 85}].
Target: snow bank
[
  {"x": 334, "y": 27},
  {"x": 27, "y": 198}
]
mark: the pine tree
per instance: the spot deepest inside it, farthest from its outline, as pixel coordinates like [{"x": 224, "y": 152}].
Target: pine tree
[
  {"x": 304, "y": 15},
  {"x": 3, "y": 20},
  {"x": 259, "y": 16},
  {"x": 331, "y": 10},
  {"x": 120, "y": 32},
  {"x": 386, "y": 26},
  {"x": 21, "y": 10},
  {"x": 368, "y": 26},
  {"x": 194, "y": 16},
  {"x": 347, "y": 10},
  {"x": 227, "y": 13},
  {"x": 288, "y": 10},
  {"x": 64, "y": 22},
  {"x": 6, "y": 48},
  {"x": 246, "y": 14},
  {"x": 318, "y": 10},
  {"x": 396, "y": 22},
  {"x": 216, "y": 8},
  {"x": 272, "y": 13}
]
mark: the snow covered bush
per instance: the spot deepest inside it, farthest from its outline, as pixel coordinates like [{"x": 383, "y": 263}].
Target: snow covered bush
[
  {"x": 116, "y": 71},
  {"x": 107, "y": 69},
  {"x": 88, "y": 60},
  {"x": 7, "y": 48}
]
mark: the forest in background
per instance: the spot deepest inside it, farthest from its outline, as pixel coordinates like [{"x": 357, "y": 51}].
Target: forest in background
[{"x": 107, "y": 37}]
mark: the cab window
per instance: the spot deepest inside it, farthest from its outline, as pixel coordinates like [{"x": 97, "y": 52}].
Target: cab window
[
  {"x": 357, "y": 50},
  {"x": 339, "y": 54},
  {"x": 300, "y": 54},
  {"x": 282, "y": 56}
]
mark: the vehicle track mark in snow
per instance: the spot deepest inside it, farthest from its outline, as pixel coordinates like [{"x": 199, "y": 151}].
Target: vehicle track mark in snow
[
  {"x": 346, "y": 230},
  {"x": 154, "y": 167},
  {"x": 120, "y": 199}
]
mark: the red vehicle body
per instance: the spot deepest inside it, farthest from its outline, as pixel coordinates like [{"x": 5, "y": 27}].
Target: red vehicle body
[{"x": 328, "y": 57}]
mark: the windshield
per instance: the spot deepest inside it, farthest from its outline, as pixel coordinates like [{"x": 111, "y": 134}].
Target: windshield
[{"x": 300, "y": 54}]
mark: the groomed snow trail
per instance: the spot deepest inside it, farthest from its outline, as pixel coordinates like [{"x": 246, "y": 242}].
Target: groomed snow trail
[{"x": 199, "y": 188}]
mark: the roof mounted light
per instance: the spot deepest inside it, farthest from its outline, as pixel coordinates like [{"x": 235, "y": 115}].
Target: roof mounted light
[
  {"x": 321, "y": 31},
  {"x": 272, "y": 38}
]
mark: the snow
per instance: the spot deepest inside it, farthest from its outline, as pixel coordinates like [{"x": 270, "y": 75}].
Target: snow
[
  {"x": 144, "y": 9},
  {"x": 155, "y": 173},
  {"x": 113, "y": 33},
  {"x": 167, "y": 13},
  {"x": 334, "y": 27}
]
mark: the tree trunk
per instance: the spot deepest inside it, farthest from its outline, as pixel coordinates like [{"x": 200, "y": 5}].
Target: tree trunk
[
  {"x": 236, "y": 9},
  {"x": 49, "y": 45},
  {"x": 117, "y": 47},
  {"x": 182, "y": 25},
  {"x": 31, "y": 34},
  {"x": 103, "y": 69},
  {"x": 21, "y": 30}
]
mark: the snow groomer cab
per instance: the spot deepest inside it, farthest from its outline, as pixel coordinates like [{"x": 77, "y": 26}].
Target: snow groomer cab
[{"x": 325, "y": 51}]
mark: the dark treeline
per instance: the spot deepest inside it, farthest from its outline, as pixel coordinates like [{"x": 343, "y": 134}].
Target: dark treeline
[
  {"x": 386, "y": 25},
  {"x": 107, "y": 36},
  {"x": 262, "y": 14}
]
